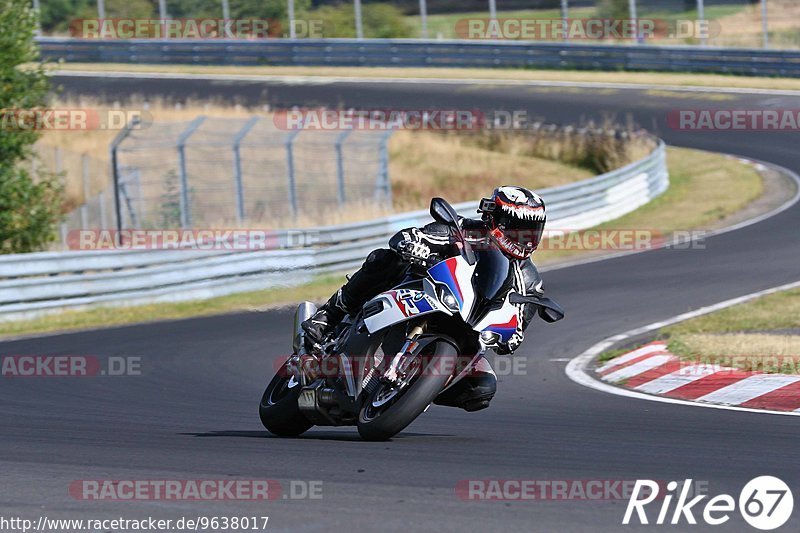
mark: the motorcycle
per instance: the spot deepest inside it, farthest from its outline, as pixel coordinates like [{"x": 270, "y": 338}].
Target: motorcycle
[{"x": 382, "y": 367}]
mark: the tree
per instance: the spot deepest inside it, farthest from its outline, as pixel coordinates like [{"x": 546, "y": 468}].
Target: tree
[{"x": 29, "y": 205}]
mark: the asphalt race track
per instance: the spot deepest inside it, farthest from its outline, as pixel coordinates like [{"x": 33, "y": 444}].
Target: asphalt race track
[{"x": 193, "y": 412}]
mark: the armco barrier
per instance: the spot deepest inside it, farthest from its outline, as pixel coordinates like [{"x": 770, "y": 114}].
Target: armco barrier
[
  {"x": 421, "y": 53},
  {"x": 32, "y": 284}
]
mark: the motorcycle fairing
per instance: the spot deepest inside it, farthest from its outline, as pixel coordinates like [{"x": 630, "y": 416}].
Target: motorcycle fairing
[
  {"x": 399, "y": 305},
  {"x": 457, "y": 274},
  {"x": 503, "y": 321}
]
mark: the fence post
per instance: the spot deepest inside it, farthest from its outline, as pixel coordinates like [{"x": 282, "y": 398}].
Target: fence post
[
  {"x": 123, "y": 191},
  {"x": 290, "y": 171},
  {"x": 383, "y": 188},
  {"x": 340, "y": 167},
  {"x": 290, "y": 14},
  {"x": 186, "y": 215},
  {"x": 38, "y": 9},
  {"x": 121, "y": 136},
  {"x": 359, "y": 26},
  {"x": 101, "y": 200},
  {"x": 85, "y": 176},
  {"x": 57, "y": 158},
  {"x": 237, "y": 167},
  {"x": 63, "y": 228},
  {"x": 701, "y": 17},
  {"x": 423, "y": 18}
]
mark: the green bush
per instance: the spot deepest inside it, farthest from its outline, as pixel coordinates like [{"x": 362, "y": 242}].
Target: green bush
[
  {"x": 378, "y": 20},
  {"x": 29, "y": 205},
  {"x": 613, "y": 9}
]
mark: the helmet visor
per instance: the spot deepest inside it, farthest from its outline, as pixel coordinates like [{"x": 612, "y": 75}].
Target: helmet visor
[{"x": 519, "y": 242}]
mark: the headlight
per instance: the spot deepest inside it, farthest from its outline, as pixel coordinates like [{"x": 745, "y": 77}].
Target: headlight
[
  {"x": 490, "y": 338},
  {"x": 447, "y": 298}
]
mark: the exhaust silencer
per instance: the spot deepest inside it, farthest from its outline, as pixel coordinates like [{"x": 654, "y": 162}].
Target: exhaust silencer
[{"x": 303, "y": 312}]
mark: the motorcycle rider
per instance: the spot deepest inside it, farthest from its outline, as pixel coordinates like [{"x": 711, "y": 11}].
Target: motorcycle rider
[{"x": 513, "y": 219}]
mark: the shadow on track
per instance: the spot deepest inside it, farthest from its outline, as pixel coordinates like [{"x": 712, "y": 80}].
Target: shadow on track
[{"x": 314, "y": 435}]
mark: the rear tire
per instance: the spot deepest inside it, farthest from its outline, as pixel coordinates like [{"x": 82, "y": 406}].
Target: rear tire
[
  {"x": 278, "y": 409},
  {"x": 414, "y": 400}
]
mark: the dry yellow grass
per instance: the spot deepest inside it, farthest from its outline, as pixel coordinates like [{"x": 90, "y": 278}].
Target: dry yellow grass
[
  {"x": 95, "y": 143},
  {"x": 743, "y": 29},
  {"x": 427, "y": 164},
  {"x": 422, "y": 164},
  {"x": 643, "y": 78},
  {"x": 755, "y": 352},
  {"x": 756, "y": 335},
  {"x": 741, "y": 344}
]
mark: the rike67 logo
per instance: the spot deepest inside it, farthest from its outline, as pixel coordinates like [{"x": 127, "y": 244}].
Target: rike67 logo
[{"x": 765, "y": 503}]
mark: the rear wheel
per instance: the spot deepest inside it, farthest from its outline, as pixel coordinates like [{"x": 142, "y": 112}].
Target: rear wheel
[
  {"x": 386, "y": 410},
  {"x": 278, "y": 409}
]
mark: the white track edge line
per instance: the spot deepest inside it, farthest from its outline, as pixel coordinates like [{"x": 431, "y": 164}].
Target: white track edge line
[{"x": 578, "y": 368}]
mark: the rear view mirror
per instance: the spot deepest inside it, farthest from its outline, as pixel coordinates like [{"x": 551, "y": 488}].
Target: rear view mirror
[
  {"x": 549, "y": 310},
  {"x": 549, "y": 314},
  {"x": 442, "y": 212}
]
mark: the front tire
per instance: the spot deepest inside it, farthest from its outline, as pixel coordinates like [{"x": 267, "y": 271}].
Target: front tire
[
  {"x": 382, "y": 424},
  {"x": 278, "y": 408}
]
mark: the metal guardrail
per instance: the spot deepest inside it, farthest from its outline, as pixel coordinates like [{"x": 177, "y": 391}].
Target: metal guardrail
[
  {"x": 32, "y": 284},
  {"x": 422, "y": 53}
]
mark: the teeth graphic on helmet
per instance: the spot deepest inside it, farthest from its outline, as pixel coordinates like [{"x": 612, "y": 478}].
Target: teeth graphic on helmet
[{"x": 524, "y": 212}]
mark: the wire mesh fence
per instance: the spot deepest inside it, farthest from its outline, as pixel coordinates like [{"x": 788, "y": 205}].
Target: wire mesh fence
[
  {"x": 87, "y": 187},
  {"x": 220, "y": 172}
]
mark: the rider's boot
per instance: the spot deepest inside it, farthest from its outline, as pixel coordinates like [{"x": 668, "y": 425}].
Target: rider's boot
[
  {"x": 325, "y": 319},
  {"x": 380, "y": 271},
  {"x": 474, "y": 391}
]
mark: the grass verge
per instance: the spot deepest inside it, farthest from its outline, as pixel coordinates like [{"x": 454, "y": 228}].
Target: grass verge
[
  {"x": 704, "y": 189},
  {"x": 696, "y": 177},
  {"x": 762, "y": 335},
  {"x": 643, "y": 78}
]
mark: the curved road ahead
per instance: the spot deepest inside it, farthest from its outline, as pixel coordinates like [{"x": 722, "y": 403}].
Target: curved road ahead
[{"x": 192, "y": 413}]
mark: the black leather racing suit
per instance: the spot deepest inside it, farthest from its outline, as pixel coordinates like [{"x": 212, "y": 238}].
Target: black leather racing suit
[{"x": 383, "y": 269}]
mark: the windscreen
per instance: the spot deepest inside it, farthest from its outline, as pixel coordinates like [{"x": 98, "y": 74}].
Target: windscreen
[{"x": 492, "y": 277}]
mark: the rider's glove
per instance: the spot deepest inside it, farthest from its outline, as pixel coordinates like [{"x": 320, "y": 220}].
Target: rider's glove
[
  {"x": 506, "y": 348},
  {"x": 414, "y": 252}
]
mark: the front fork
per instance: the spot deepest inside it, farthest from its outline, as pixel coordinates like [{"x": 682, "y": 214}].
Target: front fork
[{"x": 397, "y": 371}]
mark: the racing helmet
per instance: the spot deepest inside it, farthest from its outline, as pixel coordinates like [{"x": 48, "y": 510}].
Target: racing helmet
[{"x": 515, "y": 217}]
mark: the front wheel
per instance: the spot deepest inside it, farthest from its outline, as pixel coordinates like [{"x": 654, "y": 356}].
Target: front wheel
[
  {"x": 386, "y": 411},
  {"x": 278, "y": 409}
]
